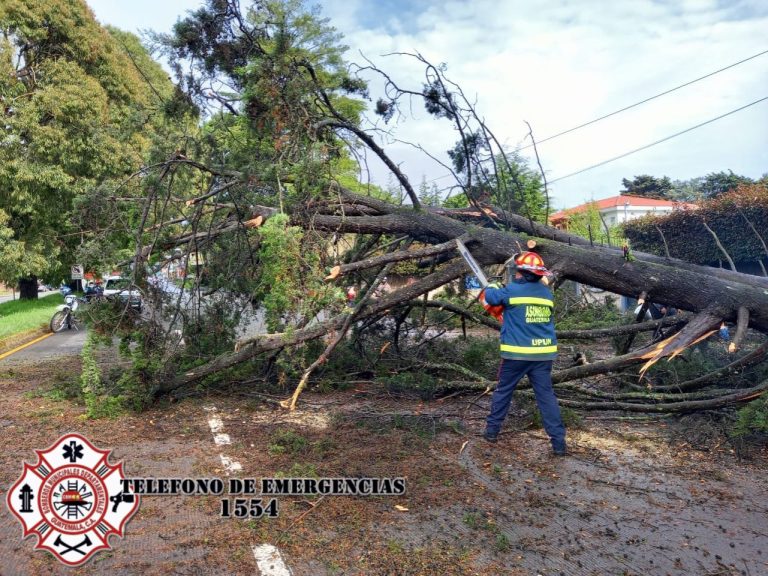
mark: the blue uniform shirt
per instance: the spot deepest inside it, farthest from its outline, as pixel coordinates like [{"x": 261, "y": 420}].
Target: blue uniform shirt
[{"x": 528, "y": 328}]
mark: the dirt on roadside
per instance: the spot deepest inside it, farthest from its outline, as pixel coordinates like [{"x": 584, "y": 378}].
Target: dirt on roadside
[{"x": 626, "y": 501}]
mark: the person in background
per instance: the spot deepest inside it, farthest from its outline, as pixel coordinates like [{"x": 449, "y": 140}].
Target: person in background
[{"x": 351, "y": 296}]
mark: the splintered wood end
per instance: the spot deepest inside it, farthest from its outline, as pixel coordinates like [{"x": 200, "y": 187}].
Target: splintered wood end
[
  {"x": 255, "y": 222},
  {"x": 335, "y": 271}
]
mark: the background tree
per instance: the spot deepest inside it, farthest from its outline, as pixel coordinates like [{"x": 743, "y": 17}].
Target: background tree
[
  {"x": 429, "y": 193},
  {"x": 692, "y": 190},
  {"x": 716, "y": 183},
  {"x": 518, "y": 188},
  {"x": 588, "y": 224},
  {"x": 76, "y": 114},
  {"x": 647, "y": 186}
]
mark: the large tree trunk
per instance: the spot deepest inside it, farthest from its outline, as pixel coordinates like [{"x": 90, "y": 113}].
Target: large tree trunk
[
  {"x": 28, "y": 288},
  {"x": 711, "y": 298},
  {"x": 694, "y": 289}
]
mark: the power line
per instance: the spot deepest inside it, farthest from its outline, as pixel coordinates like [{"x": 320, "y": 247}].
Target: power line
[
  {"x": 569, "y": 130},
  {"x": 604, "y": 162}
]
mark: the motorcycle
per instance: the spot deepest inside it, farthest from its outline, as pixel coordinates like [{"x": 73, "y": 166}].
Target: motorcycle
[{"x": 64, "y": 316}]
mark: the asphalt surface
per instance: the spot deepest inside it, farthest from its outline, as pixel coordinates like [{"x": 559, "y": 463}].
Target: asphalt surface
[
  {"x": 10, "y": 297},
  {"x": 66, "y": 343}
]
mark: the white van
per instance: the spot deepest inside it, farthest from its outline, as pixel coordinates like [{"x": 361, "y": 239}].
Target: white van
[{"x": 124, "y": 290}]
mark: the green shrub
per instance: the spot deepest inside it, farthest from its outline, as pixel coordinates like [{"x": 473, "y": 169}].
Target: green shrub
[
  {"x": 481, "y": 355},
  {"x": 287, "y": 441},
  {"x": 753, "y": 418},
  {"x": 98, "y": 403},
  {"x": 588, "y": 315},
  {"x": 419, "y": 383}
]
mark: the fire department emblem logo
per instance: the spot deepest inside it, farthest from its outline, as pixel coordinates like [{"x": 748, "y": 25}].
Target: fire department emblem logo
[{"x": 72, "y": 499}]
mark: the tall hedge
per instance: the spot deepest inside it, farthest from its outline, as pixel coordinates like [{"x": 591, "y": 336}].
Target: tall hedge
[{"x": 727, "y": 215}]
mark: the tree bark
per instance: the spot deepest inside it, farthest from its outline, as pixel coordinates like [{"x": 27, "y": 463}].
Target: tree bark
[
  {"x": 693, "y": 289},
  {"x": 28, "y": 288},
  {"x": 738, "y": 397},
  {"x": 521, "y": 224},
  {"x": 595, "y": 333}
]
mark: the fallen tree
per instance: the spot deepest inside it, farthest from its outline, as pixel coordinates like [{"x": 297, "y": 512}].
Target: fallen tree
[
  {"x": 272, "y": 211},
  {"x": 711, "y": 299}
]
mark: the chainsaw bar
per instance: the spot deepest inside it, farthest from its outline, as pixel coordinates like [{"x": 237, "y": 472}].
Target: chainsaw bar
[{"x": 472, "y": 263}]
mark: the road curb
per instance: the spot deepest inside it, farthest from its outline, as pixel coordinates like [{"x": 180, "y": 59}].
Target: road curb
[{"x": 22, "y": 339}]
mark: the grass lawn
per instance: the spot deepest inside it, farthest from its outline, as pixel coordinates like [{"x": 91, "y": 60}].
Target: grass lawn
[{"x": 21, "y": 315}]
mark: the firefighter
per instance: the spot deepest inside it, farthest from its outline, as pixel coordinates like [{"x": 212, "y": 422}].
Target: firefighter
[{"x": 528, "y": 346}]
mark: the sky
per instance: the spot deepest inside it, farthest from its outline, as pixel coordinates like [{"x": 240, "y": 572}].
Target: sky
[{"x": 558, "y": 64}]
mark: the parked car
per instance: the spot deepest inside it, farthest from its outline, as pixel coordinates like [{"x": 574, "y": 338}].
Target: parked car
[{"x": 117, "y": 286}]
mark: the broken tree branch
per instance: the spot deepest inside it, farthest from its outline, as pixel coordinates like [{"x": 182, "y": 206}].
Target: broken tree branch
[
  {"x": 291, "y": 405},
  {"x": 720, "y": 246},
  {"x": 742, "y": 322},
  {"x": 398, "y": 256},
  {"x": 479, "y": 318},
  {"x": 700, "y": 327},
  {"x": 248, "y": 348},
  {"x": 623, "y": 330},
  {"x": 737, "y": 397},
  {"x": 663, "y": 239},
  {"x": 758, "y": 355}
]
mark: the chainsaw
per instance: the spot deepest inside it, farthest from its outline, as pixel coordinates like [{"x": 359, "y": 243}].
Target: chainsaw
[{"x": 495, "y": 311}]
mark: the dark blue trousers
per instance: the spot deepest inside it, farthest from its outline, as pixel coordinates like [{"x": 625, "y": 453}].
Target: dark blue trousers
[{"x": 540, "y": 375}]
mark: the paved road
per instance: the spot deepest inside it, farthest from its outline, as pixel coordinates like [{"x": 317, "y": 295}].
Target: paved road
[
  {"x": 66, "y": 343},
  {"x": 70, "y": 342},
  {"x": 11, "y": 296}
]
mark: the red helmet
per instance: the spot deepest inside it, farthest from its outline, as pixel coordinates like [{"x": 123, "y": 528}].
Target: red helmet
[{"x": 531, "y": 262}]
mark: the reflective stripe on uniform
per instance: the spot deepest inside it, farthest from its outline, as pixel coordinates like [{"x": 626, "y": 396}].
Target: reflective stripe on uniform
[
  {"x": 529, "y": 349},
  {"x": 531, "y": 300}
]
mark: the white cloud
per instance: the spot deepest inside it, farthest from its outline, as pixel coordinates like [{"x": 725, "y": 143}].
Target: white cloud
[
  {"x": 137, "y": 15},
  {"x": 559, "y": 63}
]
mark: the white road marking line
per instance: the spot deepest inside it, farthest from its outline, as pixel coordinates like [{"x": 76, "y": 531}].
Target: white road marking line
[
  {"x": 268, "y": 558},
  {"x": 269, "y": 561},
  {"x": 216, "y": 424},
  {"x": 220, "y": 438},
  {"x": 229, "y": 464}
]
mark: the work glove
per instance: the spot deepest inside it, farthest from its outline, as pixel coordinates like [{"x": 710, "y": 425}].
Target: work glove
[{"x": 495, "y": 285}]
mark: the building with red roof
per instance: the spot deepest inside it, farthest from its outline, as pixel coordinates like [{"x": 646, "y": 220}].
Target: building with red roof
[{"x": 621, "y": 208}]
